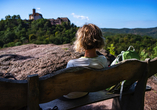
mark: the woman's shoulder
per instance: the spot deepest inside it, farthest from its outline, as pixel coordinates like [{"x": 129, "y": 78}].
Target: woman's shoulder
[
  {"x": 72, "y": 61},
  {"x": 101, "y": 57},
  {"x": 76, "y": 62}
]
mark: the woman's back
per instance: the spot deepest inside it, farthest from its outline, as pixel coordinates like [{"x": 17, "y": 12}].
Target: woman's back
[{"x": 88, "y": 39}]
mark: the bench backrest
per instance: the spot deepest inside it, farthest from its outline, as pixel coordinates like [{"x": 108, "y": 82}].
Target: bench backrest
[{"x": 15, "y": 94}]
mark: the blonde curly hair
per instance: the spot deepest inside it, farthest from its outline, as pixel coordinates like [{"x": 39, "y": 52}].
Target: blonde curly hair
[{"x": 88, "y": 37}]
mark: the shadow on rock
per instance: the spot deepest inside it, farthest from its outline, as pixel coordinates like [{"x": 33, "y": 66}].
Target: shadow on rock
[{"x": 7, "y": 57}]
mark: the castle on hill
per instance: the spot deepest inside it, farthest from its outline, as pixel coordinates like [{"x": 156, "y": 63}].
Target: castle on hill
[{"x": 35, "y": 16}]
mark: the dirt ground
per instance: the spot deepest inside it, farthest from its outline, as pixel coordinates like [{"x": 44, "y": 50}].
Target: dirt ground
[
  {"x": 150, "y": 99},
  {"x": 151, "y": 96}
]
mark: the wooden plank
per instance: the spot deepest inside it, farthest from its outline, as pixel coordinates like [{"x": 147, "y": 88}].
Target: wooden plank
[
  {"x": 153, "y": 67},
  {"x": 71, "y": 104},
  {"x": 92, "y": 97},
  {"x": 33, "y": 92},
  {"x": 138, "y": 99},
  {"x": 13, "y": 94}
]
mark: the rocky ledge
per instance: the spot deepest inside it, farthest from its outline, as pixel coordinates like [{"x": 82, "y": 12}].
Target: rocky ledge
[{"x": 30, "y": 59}]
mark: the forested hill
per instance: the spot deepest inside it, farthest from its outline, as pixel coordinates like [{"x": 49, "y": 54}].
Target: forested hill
[
  {"x": 14, "y": 31},
  {"x": 138, "y": 31}
]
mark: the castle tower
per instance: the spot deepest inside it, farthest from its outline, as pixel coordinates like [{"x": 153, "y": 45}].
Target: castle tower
[
  {"x": 34, "y": 15},
  {"x": 33, "y": 11}
]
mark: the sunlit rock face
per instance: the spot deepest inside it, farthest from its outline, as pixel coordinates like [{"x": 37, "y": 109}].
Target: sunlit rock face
[{"x": 30, "y": 59}]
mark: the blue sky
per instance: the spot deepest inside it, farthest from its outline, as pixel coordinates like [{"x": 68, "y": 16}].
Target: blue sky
[{"x": 103, "y": 13}]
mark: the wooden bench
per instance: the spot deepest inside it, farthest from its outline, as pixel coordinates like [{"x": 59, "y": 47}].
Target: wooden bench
[{"x": 35, "y": 91}]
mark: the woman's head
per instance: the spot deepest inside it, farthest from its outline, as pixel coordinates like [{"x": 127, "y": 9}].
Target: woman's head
[{"x": 88, "y": 37}]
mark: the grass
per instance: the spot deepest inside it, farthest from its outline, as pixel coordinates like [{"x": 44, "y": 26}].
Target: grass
[{"x": 65, "y": 48}]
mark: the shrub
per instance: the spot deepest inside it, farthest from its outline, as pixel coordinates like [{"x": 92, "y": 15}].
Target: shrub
[{"x": 32, "y": 37}]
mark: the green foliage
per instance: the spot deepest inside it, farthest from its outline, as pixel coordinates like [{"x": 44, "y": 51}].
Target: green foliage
[
  {"x": 145, "y": 46},
  {"x": 1, "y": 43},
  {"x": 8, "y": 37},
  {"x": 15, "y": 31},
  {"x": 155, "y": 51},
  {"x": 140, "y": 31},
  {"x": 18, "y": 43},
  {"x": 65, "y": 49},
  {"x": 111, "y": 49},
  {"x": 155, "y": 54},
  {"x": 144, "y": 55},
  {"x": 10, "y": 44},
  {"x": 7, "y": 17},
  {"x": 31, "y": 37}
]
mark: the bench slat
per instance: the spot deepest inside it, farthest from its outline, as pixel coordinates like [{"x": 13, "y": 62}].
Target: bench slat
[{"x": 92, "y": 97}]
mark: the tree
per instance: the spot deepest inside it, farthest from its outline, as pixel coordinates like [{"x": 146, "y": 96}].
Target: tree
[
  {"x": 32, "y": 37},
  {"x": 2, "y": 25},
  {"x": 8, "y": 37},
  {"x": 7, "y": 17},
  {"x": 1, "y": 43},
  {"x": 155, "y": 51},
  {"x": 47, "y": 24},
  {"x": 10, "y": 44},
  {"x": 18, "y": 17}
]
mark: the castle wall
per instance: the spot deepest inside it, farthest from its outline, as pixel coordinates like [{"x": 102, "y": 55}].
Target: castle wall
[{"x": 37, "y": 17}]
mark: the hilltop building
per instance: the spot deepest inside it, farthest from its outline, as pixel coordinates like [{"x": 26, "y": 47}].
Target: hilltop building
[
  {"x": 35, "y": 16},
  {"x": 57, "y": 21}
]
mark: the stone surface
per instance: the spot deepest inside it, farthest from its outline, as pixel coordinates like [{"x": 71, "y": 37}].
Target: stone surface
[{"x": 37, "y": 59}]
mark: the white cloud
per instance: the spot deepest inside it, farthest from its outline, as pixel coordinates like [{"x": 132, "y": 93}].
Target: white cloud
[
  {"x": 80, "y": 16},
  {"x": 38, "y": 10}
]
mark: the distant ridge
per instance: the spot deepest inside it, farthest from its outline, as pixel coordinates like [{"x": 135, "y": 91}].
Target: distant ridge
[{"x": 152, "y": 32}]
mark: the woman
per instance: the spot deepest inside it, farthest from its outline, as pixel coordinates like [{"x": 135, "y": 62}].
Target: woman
[{"x": 88, "y": 39}]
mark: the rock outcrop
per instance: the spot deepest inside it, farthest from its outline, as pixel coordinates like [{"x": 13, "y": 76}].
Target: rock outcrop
[{"x": 30, "y": 59}]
